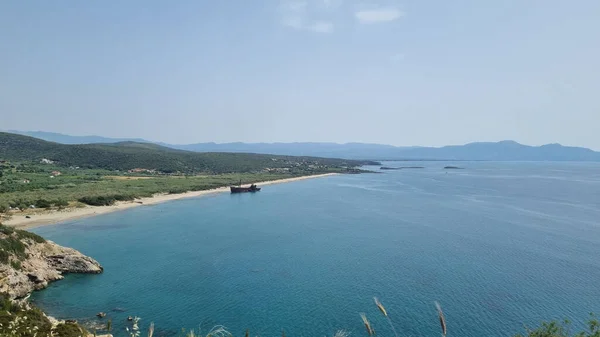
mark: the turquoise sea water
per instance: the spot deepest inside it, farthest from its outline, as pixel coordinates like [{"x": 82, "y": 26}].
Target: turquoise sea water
[{"x": 499, "y": 245}]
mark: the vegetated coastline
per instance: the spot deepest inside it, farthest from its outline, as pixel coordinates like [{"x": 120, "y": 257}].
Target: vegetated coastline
[
  {"x": 44, "y": 182},
  {"x": 36, "y": 218}
]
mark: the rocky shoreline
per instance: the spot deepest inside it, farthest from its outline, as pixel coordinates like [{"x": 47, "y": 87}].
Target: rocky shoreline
[
  {"x": 45, "y": 262},
  {"x": 28, "y": 263}
]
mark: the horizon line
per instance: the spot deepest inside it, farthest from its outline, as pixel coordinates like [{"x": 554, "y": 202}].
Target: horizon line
[{"x": 296, "y": 142}]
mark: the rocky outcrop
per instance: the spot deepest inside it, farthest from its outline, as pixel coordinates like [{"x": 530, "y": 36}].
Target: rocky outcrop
[{"x": 43, "y": 263}]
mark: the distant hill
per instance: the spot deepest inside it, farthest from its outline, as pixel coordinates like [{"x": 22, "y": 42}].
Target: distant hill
[
  {"x": 502, "y": 151},
  {"x": 67, "y": 139},
  {"x": 334, "y": 150},
  {"x": 129, "y": 155}
]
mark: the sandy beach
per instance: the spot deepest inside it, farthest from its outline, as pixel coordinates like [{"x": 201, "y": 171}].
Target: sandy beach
[{"x": 42, "y": 218}]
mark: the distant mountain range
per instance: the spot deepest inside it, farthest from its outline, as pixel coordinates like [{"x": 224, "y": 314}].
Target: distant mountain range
[
  {"x": 66, "y": 139},
  {"x": 502, "y": 151}
]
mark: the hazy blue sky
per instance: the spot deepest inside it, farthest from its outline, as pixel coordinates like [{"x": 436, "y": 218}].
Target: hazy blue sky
[{"x": 412, "y": 72}]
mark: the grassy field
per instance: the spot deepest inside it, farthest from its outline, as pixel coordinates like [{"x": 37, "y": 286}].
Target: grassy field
[{"x": 26, "y": 184}]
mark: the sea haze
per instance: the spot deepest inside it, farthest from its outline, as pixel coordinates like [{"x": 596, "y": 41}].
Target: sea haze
[{"x": 499, "y": 245}]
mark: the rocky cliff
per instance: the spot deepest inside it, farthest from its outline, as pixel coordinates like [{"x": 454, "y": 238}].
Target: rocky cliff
[{"x": 28, "y": 262}]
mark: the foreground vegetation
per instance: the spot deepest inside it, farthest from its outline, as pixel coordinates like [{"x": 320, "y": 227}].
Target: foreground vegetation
[
  {"x": 18, "y": 320},
  {"x": 547, "y": 329}
]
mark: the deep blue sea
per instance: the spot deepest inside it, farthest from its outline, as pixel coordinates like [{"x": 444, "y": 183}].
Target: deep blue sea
[{"x": 498, "y": 245}]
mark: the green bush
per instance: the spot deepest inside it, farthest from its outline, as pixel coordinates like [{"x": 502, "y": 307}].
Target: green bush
[
  {"x": 97, "y": 200},
  {"x": 178, "y": 190},
  {"x": 555, "y": 329},
  {"x": 6, "y": 230},
  {"x": 122, "y": 197},
  {"x": 42, "y": 203},
  {"x": 12, "y": 244},
  {"x": 16, "y": 264},
  {"x": 13, "y": 322},
  {"x": 106, "y": 200},
  {"x": 69, "y": 330},
  {"x": 60, "y": 203},
  {"x": 4, "y": 255},
  {"x": 21, "y": 234}
]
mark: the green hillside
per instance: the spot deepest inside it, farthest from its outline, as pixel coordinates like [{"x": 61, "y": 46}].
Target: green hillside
[{"x": 130, "y": 155}]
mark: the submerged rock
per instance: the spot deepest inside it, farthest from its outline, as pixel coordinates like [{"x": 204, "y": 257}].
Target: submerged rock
[{"x": 43, "y": 263}]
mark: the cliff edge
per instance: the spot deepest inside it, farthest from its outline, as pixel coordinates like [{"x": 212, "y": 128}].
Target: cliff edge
[{"x": 28, "y": 262}]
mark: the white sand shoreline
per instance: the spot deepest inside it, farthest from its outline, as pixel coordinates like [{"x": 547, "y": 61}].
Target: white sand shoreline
[{"x": 45, "y": 218}]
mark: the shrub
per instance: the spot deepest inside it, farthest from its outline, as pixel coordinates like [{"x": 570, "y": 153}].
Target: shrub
[
  {"x": 21, "y": 234},
  {"x": 555, "y": 329},
  {"x": 178, "y": 190},
  {"x": 14, "y": 323},
  {"x": 123, "y": 197},
  {"x": 98, "y": 200},
  {"x": 16, "y": 264},
  {"x": 20, "y": 203},
  {"x": 60, "y": 203},
  {"x": 6, "y": 230},
  {"x": 4, "y": 256},
  {"x": 42, "y": 203},
  {"x": 69, "y": 330},
  {"x": 12, "y": 244},
  {"x": 106, "y": 200}
]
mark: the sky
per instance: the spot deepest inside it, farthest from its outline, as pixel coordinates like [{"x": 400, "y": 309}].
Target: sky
[{"x": 411, "y": 72}]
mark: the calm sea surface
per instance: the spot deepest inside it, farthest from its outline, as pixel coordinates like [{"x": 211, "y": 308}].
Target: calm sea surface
[{"x": 499, "y": 245}]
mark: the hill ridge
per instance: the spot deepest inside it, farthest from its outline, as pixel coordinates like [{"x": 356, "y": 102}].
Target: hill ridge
[
  {"x": 129, "y": 155},
  {"x": 501, "y": 150}
]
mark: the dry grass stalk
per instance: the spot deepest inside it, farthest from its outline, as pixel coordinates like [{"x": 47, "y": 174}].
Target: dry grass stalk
[
  {"x": 441, "y": 316},
  {"x": 341, "y": 333},
  {"x": 370, "y": 330},
  {"x": 219, "y": 331},
  {"x": 384, "y": 312},
  {"x": 151, "y": 329},
  {"x": 380, "y": 306}
]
